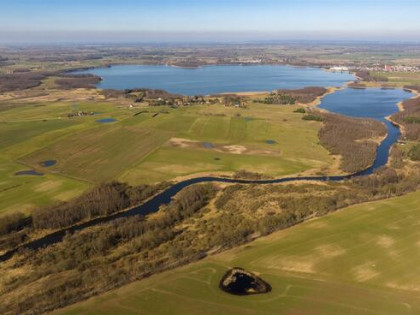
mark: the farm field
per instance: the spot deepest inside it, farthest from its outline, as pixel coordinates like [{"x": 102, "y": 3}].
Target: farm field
[
  {"x": 23, "y": 193},
  {"x": 399, "y": 78},
  {"x": 142, "y": 148},
  {"x": 30, "y": 127},
  {"x": 361, "y": 260}
]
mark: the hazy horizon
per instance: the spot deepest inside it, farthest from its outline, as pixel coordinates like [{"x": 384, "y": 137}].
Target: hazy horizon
[{"x": 59, "y": 21}]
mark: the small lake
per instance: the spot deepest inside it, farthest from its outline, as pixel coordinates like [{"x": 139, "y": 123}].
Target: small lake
[
  {"x": 216, "y": 79},
  {"x": 372, "y": 103}
]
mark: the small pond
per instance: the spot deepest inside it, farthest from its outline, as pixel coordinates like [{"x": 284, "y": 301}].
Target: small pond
[
  {"x": 270, "y": 141},
  {"x": 106, "y": 120},
  {"x": 48, "y": 163},
  {"x": 29, "y": 173}
]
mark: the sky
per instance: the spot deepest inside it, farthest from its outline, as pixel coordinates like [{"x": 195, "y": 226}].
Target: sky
[{"x": 207, "y": 20}]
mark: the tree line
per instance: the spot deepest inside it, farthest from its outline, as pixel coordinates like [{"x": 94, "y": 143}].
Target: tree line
[
  {"x": 410, "y": 117},
  {"x": 103, "y": 200}
]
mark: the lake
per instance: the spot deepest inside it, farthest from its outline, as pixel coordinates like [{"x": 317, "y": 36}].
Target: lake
[{"x": 216, "y": 79}]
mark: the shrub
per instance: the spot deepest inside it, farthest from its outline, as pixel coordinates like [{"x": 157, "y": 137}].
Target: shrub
[
  {"x": 414, "y": 152},
  {"x": 412, "y": 119},
  {"x": 313, "y": 117},
  {"x": 300, "y": 110},
  {"x": 12, "y": 222}
]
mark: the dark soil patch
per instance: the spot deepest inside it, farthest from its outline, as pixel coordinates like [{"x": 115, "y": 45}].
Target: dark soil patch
[{"x": 238, "y": 281}]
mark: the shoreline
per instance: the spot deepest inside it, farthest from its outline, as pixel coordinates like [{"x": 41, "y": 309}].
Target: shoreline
[
  {"x": 401, "y": 108},
  {"x": 377, "y": 140}
]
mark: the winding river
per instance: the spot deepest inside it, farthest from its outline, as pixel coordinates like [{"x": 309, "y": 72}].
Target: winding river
[{"x": 371, "y": 103}]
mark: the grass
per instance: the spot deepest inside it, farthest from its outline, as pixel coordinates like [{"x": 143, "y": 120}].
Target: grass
[
  {"x": 399, "y": 78},
  {"x": 167, "y": 163},
  {"x": 23, "y": 193},
  {"x": 13, "y": 133},
  {"x": 137, "y": 149},
  {"x": 24, "y": 130},
  {"x": 101, "y": 153},
  {"x": 361, "y": 260}
]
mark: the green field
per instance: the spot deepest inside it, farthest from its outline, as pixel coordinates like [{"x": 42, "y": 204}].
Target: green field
[
  {"x": 138, "y": 149},
  {"x": 135, "y": 149},
  {"x": 399, "y": 78},
  {"x": 361, "y": 260},
  {"x": 31, "y": 127}
]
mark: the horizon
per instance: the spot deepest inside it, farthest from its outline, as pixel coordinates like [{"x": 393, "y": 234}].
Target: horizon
[{"x": 167, "y": 21}]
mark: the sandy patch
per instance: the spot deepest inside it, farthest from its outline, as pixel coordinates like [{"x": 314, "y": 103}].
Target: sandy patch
[
  {"x": 230, "y": 149},
  {"x": 235, "y": 149},
  {"x": 385, "y": 241},
  {"x": 365, "y": 272},
  {"x": 182, "y": 143}
]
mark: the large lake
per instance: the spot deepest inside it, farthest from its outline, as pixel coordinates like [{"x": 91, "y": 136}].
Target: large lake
[{"x": 216, "y": 79}]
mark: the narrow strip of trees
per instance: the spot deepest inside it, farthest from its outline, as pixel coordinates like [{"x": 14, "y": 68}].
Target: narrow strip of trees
[{"x": 410, "y": 117}]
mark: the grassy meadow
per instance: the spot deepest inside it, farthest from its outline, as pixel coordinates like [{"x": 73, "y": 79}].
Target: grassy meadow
[
  {"x": 399, "y": 78},
  {"x": 361, "y": 260},
  {"x": 139, "y": 149}
]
